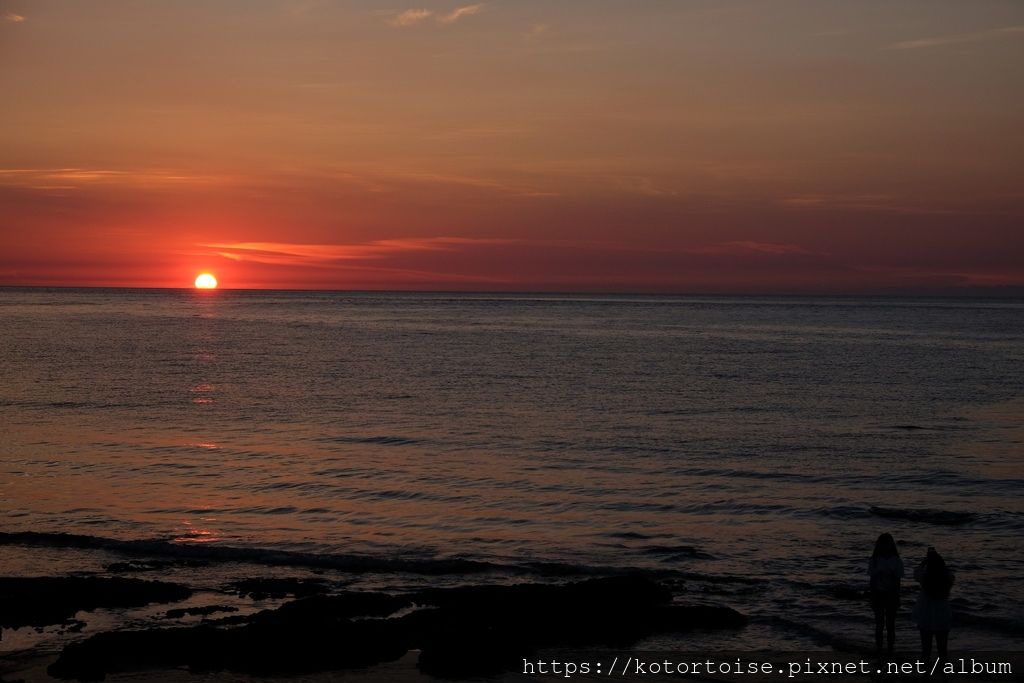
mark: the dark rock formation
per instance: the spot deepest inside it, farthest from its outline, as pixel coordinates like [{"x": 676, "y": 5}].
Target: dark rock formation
[
  {"x": 41, "y": 601},
  {"x": 472, "y": 630},
  {"x": 480, "y": 630},
  {"x": 258, "y": 648}
]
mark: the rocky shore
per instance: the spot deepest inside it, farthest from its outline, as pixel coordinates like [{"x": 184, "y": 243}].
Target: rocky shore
[{"x": 462, "y": 631}]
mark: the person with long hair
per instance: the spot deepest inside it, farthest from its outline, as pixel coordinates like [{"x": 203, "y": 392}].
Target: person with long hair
[
  {"x": 885, "y": 569},
  {"x": 932, "y": 612}
]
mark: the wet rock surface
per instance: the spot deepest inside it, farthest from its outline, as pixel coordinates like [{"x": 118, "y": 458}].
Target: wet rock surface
[
  {"x": 132, "y": 566},
  {"x": 198, "y": 611},
  {"x": 261, "y": 589}
]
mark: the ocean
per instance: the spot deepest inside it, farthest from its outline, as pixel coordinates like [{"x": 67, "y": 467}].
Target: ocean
[{"x": 748, "y": 450}]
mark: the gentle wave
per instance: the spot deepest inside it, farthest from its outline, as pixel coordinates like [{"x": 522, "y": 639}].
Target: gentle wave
[
  {"x": 942, "y": 517},
  {"x": 353, "y": 563},
  {"x": 167, "y": 548}
]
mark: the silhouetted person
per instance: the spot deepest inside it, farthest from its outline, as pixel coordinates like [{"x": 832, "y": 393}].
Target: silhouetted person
[
  {"x": 885, "y": 570},
  {"x": 932, "y": 612}
]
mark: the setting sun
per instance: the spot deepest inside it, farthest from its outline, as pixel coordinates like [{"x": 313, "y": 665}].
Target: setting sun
[{"x": 206, "y": 281}]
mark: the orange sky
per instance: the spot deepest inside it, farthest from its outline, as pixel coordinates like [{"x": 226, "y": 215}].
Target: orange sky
[{"x": 647, "y": 145}]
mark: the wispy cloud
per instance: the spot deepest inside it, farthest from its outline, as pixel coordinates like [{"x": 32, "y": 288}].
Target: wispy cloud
[
  {"x": 751, "y": 246},
  {"x": 335, "y": 255},
  {"x": 12, "y": 18},
  {"x": 862, "y": 202},
  {"x": 410, "y": 17},
  {"x": 72, "y": 178},
  {"x": 955, "y": 39},
  {"x": 460, "y": 12},
  {"x": 283, "y": 253},
  {"x": 950, "y": 277},
  {"x": 767, "y": 247}
]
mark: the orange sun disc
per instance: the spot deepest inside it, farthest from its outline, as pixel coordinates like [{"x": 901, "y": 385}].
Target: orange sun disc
[{"x": 206, "y": 281}]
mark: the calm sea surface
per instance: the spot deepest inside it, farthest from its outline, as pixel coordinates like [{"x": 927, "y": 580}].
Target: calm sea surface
[{"x": 766, "y": 441}]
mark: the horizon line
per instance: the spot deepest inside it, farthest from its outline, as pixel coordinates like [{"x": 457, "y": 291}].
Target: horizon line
[{"x": 985, "y": 291}]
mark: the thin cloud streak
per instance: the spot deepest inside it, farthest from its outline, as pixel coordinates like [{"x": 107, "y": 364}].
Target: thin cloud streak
[
  {"x": 769, "y": 248},
  {"x": 976, "y": 37},
  {"x": 74, "y": 178},
  {"x": 460, "y": 12},
  {"x": 283, "y": 253},
  {"x": 12, "y": 18},
  {"x": 410, "y": 17}
]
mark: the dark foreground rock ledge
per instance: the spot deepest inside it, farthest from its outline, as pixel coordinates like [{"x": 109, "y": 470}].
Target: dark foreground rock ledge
[
  {"x": 474, "y": 630},
  {"x": 44, "y": 601}
]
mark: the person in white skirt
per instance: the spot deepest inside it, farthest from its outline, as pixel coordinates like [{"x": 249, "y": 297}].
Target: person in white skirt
[{"x": 932, "y": 612}]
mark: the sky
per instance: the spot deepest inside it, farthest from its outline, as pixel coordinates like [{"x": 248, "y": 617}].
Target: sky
[{"x": 704, "y": 146}]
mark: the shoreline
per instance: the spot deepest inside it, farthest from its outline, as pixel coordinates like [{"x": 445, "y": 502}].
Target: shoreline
[
  {"x": 176, "y": 624},
  {"x": 496, "y": 623},
  {"x": 119, "y": 586}
]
